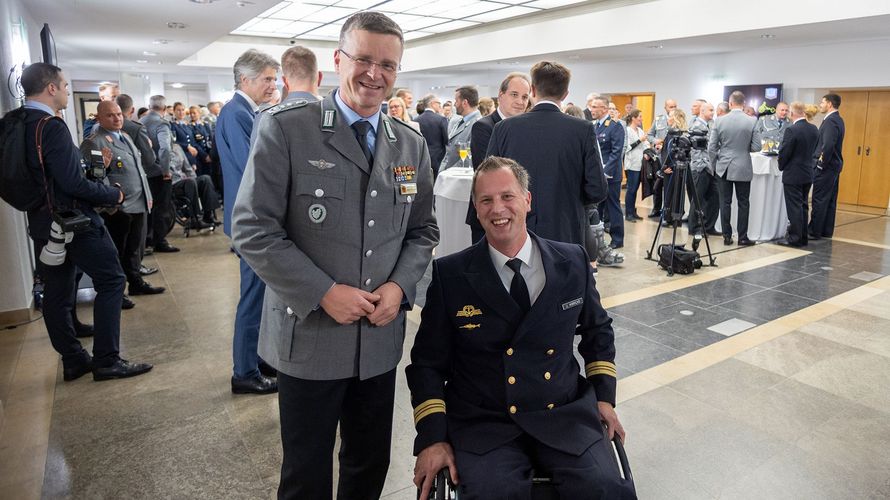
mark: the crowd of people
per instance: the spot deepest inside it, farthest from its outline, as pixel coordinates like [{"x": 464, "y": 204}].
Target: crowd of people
[{"x": 328, "y": 201}]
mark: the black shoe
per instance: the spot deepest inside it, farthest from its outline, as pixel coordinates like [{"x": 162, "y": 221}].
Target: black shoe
[
  {"x": 745, "y": 242},
  {"x": 120, "y": 369},
  {"x": 811, "y": 236},
  {"x": 654, "y": 214},
  {"x": 211, "y": 219},
  {"x": 714, "y": 232},
  {"x": 266, "y": 369},
  {"x": 147, "y": 271},
  {"x": 126, "y": 303},
  {"x": 145, "y": 288},
  {"x": 70, "y": 373},
  {"x": 148, "y": 250},
  {"x": 256, "y": 385},
  {"x": 786, "y": 243},
  {"x": 198, "y": 225},
  {"x": 166, "y": 248},
  {"x": 616, "y": 245},
  {"x": 82, "y": 330},
  {"x": 636, "y": 217},
  {"x": 727, "y": 240},
  {"x": 630, "y": 218}
]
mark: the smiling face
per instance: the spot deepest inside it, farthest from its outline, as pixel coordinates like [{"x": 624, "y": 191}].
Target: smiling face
[
  {"x": 501, "y": 207},
  {"x": 179, "y": 112},
  {"x": 364, "y": 86},
  {"x": 261, "y": 88}
]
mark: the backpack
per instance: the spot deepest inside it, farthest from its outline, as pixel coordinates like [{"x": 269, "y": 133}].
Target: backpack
[
  {"x": 21, "y": 186},
  {"x": 684, "y": 262}
]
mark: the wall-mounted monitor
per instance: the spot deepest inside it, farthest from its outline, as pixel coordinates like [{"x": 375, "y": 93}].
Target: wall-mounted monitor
[
  {"x": 762, "y": 97},
  {"x": 48, "y": 45}
]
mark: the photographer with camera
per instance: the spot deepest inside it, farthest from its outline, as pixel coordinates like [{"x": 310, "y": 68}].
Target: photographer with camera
[
  {"x": 71, "y": 233},
  {"x": 703, "y": 178}
]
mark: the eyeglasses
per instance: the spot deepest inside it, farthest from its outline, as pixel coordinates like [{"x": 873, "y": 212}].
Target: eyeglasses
[{"x": 365, "y": 64}]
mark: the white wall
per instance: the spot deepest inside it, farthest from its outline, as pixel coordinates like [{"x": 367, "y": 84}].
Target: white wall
[{"x": 189, "y": 97}]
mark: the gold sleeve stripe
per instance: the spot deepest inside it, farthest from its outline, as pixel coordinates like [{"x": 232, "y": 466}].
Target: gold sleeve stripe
[
  {"x": 601, "y": 368},
  {"x": 427, "y": 408}
]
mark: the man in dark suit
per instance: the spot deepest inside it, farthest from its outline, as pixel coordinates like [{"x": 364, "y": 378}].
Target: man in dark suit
[
  {"x": 255, "y": 75},
  {"x": 434, "y": 128},
  {"x": 829, "y": 162},
  {"x": 513, "y": 98},
  {"x": 797, "y": 164},
  {"x": 496, "y": 393},
  {"x": 138, "y": 134},
  {"x": 90, "y": 249},
  {"x": 559, "y": 152}
]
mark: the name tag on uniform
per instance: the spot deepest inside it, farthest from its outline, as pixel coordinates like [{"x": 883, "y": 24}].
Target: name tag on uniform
[
  {"x": 408, "y": 188},
  {"x": 572, "y": 303}
]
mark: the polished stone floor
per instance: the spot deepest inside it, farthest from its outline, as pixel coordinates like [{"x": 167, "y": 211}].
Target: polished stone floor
[{"x": 765, "y": 377}]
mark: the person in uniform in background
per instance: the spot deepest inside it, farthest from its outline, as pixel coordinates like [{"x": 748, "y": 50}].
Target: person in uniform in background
[
  {"x": 335, "y": 216},
  {"x": 829, "y": 162}
]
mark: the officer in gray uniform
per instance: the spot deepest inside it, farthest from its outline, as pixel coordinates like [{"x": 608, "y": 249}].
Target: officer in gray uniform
[
  {"x": 772, "y": 127},
  {"x": 334, "y": 214}
]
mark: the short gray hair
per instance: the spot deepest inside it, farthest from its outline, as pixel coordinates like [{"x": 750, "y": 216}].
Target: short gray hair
[
  {"x": 251, "y": 63},
  {"x": 157, "y": 102},
  {"x": 374, "y": 22}
]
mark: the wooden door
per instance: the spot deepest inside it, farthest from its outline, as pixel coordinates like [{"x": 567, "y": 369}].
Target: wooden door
[
  {"x": 874, "y": 178},
  {"x": 854, "y": 109}
]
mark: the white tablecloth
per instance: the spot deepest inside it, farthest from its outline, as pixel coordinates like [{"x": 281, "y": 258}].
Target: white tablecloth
[
  {"x": 767, "y": 217},
  {"x": 452, "y": 191}
]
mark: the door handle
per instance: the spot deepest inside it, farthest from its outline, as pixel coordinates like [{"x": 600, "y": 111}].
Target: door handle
[
  {"x": 858, "y": 150},
  {"x": 867, "y": 150}
]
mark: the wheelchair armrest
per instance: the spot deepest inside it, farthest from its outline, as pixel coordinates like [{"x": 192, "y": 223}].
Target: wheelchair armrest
[
  {"x": 443, "y": 488},
  {"x": 622, "y": 459}
]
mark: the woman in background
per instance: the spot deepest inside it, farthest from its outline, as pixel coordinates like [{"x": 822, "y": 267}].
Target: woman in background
[
  {"x": 399, "y": 111},
  {"x": 634, "y": 146}
]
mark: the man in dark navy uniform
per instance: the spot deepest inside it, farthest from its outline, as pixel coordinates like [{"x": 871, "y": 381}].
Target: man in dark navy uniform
[
  {"x": 495, "y": 386},
  {"x": 90, "y": 249},
  {"x": 610, "y": 137},
  {"x": 829, "y": 162},
  {"x": 797, "y": 165}
]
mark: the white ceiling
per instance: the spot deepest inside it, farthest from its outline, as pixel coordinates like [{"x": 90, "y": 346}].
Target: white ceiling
[{"x": 322, "y": 19}]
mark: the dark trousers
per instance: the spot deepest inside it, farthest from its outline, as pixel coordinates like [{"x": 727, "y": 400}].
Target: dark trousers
[
  {"x": 126, "y": 232},
  {"x": 93, "y": 252},
  {"x": 706, "y": 188},
  {"x": 742, "y": 194},
  {"x": 506, "y": 472},
  {"x": 200, "y": 193},
  {"x": 796, "y": 205},
  {"x": 612, "y": 208},
  {"x": 158, "y": 224},
  {"x": 658, "y": 194},
  {"x": 825, "y": 188},
  {"x": 630, "y": 197},
  {"x": 310, "y": 411},
  {"x": 248, "y": 315}
]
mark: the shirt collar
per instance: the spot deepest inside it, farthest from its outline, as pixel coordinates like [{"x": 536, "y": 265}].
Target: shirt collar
[
  {"x": 524, "y": 254},
  {"x": 829, "y": 113},
  {"x": 801, "y": 118},
  {"x": 254, "y": 106},
  {"x": 544, "y": 101},
  {"x": 498, "y": 111},
  {"x": 466, "y": 119},
  {"x": 350, "y": 116},
  {"x": 39, "y": 105}
]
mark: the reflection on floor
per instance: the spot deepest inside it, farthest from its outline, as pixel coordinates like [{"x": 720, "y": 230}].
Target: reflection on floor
[{"x": 763, "y": 378}]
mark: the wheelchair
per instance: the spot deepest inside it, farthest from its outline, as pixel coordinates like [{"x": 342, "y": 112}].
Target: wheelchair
[
  {"x": 444, "y": 489},
  {"x": 182, "y": 215}
]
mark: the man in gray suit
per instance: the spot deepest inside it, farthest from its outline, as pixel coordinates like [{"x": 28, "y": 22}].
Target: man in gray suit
[
  {"x": 334, "y": 214},
  {"x": 466, "y": 104},
  {"x": 112, "y": 152},
  {"x": 159, "y": 133},
  {"x": 732, "y": 141}
]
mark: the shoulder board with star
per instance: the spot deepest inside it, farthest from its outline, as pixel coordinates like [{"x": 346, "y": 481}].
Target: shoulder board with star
[
  {"x": 607, "y": 122},
  {"x": 403, "y": 124},
  {"x": 278, "y": 108}
]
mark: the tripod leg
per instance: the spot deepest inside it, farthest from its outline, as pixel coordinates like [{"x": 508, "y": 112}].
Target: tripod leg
[
  {"x": 695, "y": 199},
  {"x": 657, "y": 235}
]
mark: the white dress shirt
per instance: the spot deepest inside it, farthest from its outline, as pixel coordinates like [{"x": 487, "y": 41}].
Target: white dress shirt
[{"x": 532, "y": 268}]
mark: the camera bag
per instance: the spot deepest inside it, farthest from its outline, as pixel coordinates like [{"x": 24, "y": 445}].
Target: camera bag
[{"x": 685, "y": 261}]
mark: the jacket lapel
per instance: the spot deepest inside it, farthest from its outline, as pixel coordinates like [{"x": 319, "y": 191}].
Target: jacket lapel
[
  {"x": 483, "y": 278},
  {"x": 341, "y": 137},
  {"x": 386, "y": 148}
]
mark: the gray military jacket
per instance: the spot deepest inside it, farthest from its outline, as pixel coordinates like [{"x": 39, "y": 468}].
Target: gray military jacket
[
  {"x": 733, "y": 139},
  {"x": 770, "y": 127},
  {"x": 311, "y": 213},
  {"x": 125, "y": 168}
]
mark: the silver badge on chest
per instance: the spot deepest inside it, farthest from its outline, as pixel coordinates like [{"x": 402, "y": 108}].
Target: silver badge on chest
[{"x": 317, "y": 213}]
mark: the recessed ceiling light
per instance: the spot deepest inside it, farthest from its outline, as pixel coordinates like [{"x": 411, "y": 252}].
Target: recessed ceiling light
[
  {"x": 202, "y": 2},
  {"x": 655, "y": 47},
  {"x": 244, "y": 3},
  {"x": 161, "y": 41},
  {"x": 149, "y": 53},
  {"x": 142, "y": 61},
  {"x": 767, "y": 36},
  {"x": 174, "y": 25},
  {"x": 177, "y": 85}
]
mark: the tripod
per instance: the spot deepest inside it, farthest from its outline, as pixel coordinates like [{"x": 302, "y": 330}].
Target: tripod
[{"x": 678, "y": 203}]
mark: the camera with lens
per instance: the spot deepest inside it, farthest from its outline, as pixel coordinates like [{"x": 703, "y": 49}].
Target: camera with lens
[
  {"x": 96, "y": 169},
  {"x": 61, "y": 232}
]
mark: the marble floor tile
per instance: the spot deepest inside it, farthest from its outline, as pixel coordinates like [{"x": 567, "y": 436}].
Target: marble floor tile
[
  {"x": 731, "y": 327},
  {"x": 857, "y": 375},
  {"x": 635, "y": 353},
  {"x": 718, "y": 292},
  {"x": 768, "y": 304},
  {"x": 769, "y": 276},
  {"x": 792, "y": 353},
  {"x": 854, "y": 329}
]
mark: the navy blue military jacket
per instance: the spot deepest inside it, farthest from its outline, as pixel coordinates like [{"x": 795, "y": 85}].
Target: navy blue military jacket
[
  {"x": 481, "y": 374},
  {"x": 182, "y": 135},
  {"x": 610, "y": 136},
  {"x": 831, "y": 143},
  {"x": 64, "y": 168}
]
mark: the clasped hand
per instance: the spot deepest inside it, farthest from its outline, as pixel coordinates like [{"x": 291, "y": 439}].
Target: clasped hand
[{"x": 347, "y": 304}]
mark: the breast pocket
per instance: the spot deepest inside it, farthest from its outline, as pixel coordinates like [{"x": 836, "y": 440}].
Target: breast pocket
[
  {"x": 404, "y": 195},
  {"x": 319, "y": 201}
]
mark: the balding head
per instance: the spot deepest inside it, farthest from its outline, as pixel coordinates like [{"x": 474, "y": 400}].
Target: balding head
[
  {"x": 110, "y": 116},
  {"x": 669, "y": 105}
]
